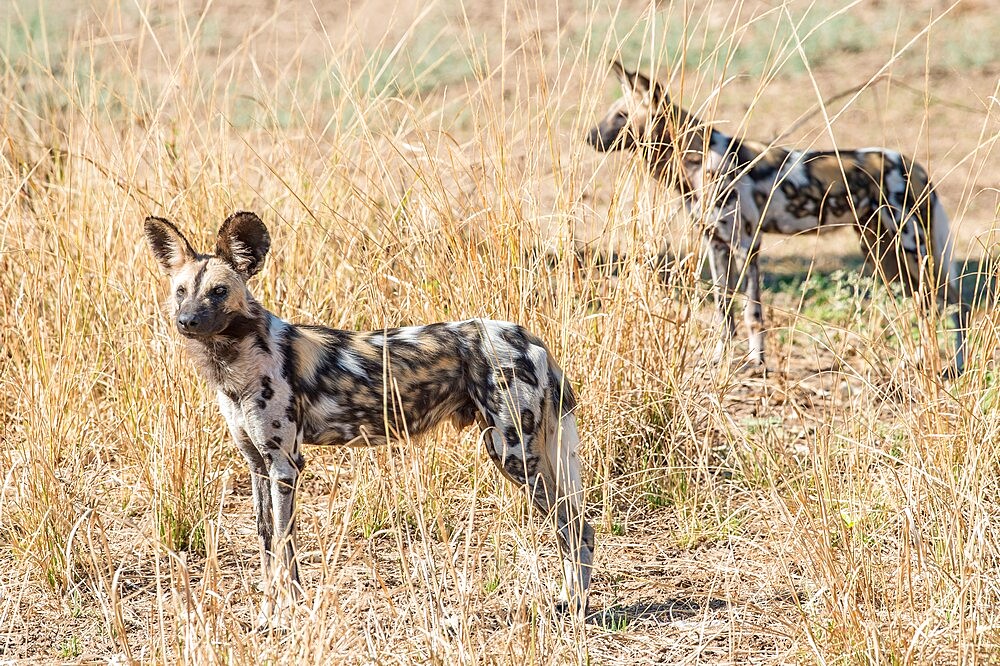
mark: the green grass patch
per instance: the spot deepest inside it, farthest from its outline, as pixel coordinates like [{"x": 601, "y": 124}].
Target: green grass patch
[{"x": 752, "y": 48}]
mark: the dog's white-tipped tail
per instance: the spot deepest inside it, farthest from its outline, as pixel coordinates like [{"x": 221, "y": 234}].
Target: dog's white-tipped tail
[{"x": 562, "y": 442}]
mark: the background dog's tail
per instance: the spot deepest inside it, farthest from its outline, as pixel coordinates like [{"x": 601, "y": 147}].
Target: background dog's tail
[
  {"x": 943, "y": 246},
  {"x": 948, "y": 281}
]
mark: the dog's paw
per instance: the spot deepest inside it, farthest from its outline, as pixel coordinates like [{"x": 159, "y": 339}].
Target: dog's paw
[
  {"x": 754, "y": 368},
  {"x": 263, "y": 623},
  {"x": 267, "y": 625},
  {"x": 273, "y": 619},
  {"x": 572, "y": 609},
  {"x": 950, "y": 373}
]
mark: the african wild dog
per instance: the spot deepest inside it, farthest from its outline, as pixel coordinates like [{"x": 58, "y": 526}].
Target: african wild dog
[
  {"x": 742, "y": 188},
  {"x": 281, "y": 385}
]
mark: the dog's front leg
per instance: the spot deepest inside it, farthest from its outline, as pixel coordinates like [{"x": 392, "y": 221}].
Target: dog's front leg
[
  {"x": 259, "y": 480},
  {"x": 261, "y": 488},
  {"x": 720, "y": 261},
  {"x": 260, "y": 484},
  {"x": 285, "y": 464},
  {"x": 753, "y": 315},
  {"x": 278, "y": 441}
]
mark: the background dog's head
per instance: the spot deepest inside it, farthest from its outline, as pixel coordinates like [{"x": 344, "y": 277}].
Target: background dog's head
[
  {"x": 627, "y": 121},
  {"x": 209, "y": 292}
]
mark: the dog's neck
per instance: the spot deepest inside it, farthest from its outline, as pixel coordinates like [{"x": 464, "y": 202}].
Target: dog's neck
[
  {"x": 228, "y": 359},
  {"x": 680, "y": 144}
]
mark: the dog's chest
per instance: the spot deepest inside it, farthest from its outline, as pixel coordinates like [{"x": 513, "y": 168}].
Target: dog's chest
[
  {"x": 263, "y": 401},
  {"x": 706, "y": 176}
]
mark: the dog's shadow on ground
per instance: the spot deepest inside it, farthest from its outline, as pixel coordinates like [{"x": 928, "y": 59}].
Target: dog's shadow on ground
[
  {"x": 790, "y": 274},
  {"x": 977, "y": 280},
  {"x": 618, "y": 617}
]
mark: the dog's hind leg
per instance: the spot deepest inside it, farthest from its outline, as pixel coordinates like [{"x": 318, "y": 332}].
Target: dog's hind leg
[
  {"x": 562, "y": 442},
  {"x": 927, "y": 271},
  {"x": 551, "y": 487}
]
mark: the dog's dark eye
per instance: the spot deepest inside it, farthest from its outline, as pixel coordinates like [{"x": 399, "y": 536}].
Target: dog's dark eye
[
  {"x": 693, "y": 157},
  {"x": 221, "y": 290},
  {"x": 181, "y": 291}
]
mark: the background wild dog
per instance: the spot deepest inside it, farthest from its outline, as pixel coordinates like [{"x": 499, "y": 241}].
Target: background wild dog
[
  {"x": 742, "y": 188},
  {"x": 281, "y": 385}
]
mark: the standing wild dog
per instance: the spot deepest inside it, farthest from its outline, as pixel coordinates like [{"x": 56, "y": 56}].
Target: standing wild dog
[
  {"x": 281, "y": 385},
  {"x": 742, "y": 188}
]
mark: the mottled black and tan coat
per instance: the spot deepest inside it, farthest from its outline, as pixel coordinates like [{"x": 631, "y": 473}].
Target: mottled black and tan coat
[
  {"x": 282, "y": 385},
  {"x": 741, "y": 189}
]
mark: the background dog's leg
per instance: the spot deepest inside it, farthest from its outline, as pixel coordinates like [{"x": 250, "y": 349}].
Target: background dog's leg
[
  {"x": 926, "y": 275},
  {"x": 947, "y": 295},
  {"x": 950, "y": 295},
  {"x": 753, "y": 315},
  {"x": 720, "y": 261},
  {"x": 960, "y": 320}
]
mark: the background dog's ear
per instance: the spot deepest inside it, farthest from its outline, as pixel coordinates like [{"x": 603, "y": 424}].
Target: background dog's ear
[
  {"x": 168, "y": 244},
  {"x": 634, "y": 82},
  {"x": 243, "y": 242}
]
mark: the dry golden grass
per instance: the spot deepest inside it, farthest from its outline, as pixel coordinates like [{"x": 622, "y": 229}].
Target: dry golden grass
[{"x": 412, "y": 158}]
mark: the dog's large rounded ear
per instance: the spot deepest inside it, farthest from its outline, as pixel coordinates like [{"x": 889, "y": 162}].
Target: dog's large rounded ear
[
  {"x": 169, "y": 246},
  {"x": 618, "y": 69},
  {"x": 636, "y": 83},
  {"x": 243, "y": 242}
]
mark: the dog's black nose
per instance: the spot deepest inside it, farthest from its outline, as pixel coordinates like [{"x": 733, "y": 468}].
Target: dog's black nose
[
  {"x": 596, "y": 139},
  {"x": 187, "y": 321}
]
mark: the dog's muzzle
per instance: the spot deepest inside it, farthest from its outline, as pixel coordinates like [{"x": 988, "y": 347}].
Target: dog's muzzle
[
  {"x": 194, "y": 324},
  {"x": 596, "y": 139}
]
